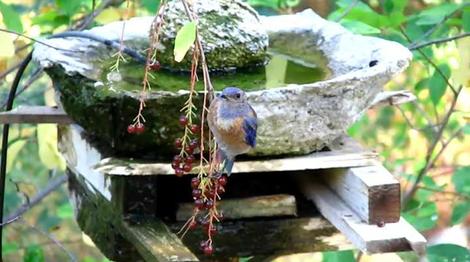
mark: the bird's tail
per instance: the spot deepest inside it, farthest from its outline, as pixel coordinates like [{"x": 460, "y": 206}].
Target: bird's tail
[{"x": 228, "y": 162}]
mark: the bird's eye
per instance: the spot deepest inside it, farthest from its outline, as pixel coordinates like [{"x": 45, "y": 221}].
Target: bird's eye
[
  {"x": 237, "y": 96},
  {"x": 223, "y": 96}
]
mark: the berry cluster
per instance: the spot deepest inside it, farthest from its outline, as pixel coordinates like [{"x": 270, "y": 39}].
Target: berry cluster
[
  {"x": 136, "y": 128},
  {"x": 183, "y": 162},
  {"x": 206, "y": 191}
]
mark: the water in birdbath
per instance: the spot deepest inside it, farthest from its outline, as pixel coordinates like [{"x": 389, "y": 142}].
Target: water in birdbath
[{"x": 279, "y": 71}]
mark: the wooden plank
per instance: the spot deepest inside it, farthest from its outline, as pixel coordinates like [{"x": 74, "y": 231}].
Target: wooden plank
[
  {"x": 35, "y": 115},
  {"x": 259, "y": 206},
  {"x": 347, "y": 153},
  {"x": 371, "y": 191},
  {"x": 155, "y": 242},
  {"x": 391, "y": 237},
  {"x": 272, "y": 237}
]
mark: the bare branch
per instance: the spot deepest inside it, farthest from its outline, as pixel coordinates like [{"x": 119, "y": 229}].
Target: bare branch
[
  {"x": 32, "y": 39},
  {"x": 438, "y": 41}
]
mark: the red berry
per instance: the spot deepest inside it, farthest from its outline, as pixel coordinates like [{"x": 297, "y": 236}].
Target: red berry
[
  {"x": 189, "y": 160},
  {"x": 192, "y": 225},
  {"x": 131, "y": 129},
  {"x": 189, "y": 150},
  {"x": 199, "y": 203},
  {"x": 210, "y": 193},
  {"x": 177, "y": 159},
  {"x": 175, "y": 164},
  {"x": 222, "y": 180},
  {"x": 212, "y": 231},
  {"x": 220, "y": 190},
  {"x": 187, "y": 167},
  {"x": 178, "y": 143},
  {"x": 179, "y": 172},
  {"x": 194, "y": 128},
  {"x": 194, "y": 144},
  {"x": 155, "y": 65},
  {"x": 209, "y": 204},
  {"x": 139, "y": 128},
  {"x": 195, "y": 182},
  {"x": 183, "y": 120},
  {"x": 196, "y": 193},
  {"x": 208, "y": 250}
]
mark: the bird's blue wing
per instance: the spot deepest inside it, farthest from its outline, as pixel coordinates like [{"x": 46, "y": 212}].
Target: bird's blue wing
[{"x": 249, "y": 126}]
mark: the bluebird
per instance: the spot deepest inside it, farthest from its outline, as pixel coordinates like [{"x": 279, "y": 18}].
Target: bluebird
[{"x": 233, "y": 122}]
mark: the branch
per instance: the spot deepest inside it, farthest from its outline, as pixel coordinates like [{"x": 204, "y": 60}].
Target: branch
[
  {"x": 464, "y": 196},
  {"x": 438, "y": 41},
  {"x": 30, "y": 38},
  {"x": 51, "y": 187}
]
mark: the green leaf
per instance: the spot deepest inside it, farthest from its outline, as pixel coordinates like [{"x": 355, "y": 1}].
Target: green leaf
[
  {"x": 359, "y": 27},
  {"x": 466, "y": 20},
  {"x": 184, "y": 40},
  {"x": 435, "y": 14},
  {"x": 460, "y": 211},
  {"x": 13, "y": 151},
  {"x": 151, "y": 5},
  {"x": 10, "y": 247},
  {"x": 34, "y": 253},
  {"x": 70, "y": 7},
  {"x": 422, "y": 215},
  {"x": 47, "y": 143},
  {"x": 264, "y": 3},
  {"x": 461, "y": 180},
  {"x": 11, "y": 18},
  {"x": 447, "y": 252},
  {"x": 339, "y": 256},
  {"x": 466, "y": 129},
  {"x": 437, "y": 84},
  {"x": 65, "y": 211}
]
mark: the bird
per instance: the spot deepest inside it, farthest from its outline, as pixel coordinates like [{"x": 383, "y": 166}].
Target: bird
[{"x": 234, "y": 123}]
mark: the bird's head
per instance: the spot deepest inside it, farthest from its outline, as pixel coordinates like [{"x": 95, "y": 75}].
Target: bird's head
[{"x": 233, "y": 94}]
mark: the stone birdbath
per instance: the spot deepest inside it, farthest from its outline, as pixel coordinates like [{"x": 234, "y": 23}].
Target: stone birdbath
[{"x": 308, "y": 79}]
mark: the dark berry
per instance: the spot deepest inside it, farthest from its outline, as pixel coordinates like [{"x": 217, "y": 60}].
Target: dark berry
[
  {"x": 189, "y": 150},
  {"x": 139, "y": 128},
  {"x": 155, "y": 65},
  {"x": 179, "y": 172},
  {"x": 177, "y": 159},
  {"x": 195, "y": 182},
  {"x": 131, "y": 129},
  {"x": 187, "y": 167},
  {"x": 192, "y": 225},
  {"x": 194, "y": 128},
  {"x": 199, "y": 203},
  {"x": 209, "y": 204},
  {"x": 222, "y": 180},
  {"x": 189, "y": 160},
  {"x": 197, "y": 193},
  {"x": 183, "y": 120},
  {"x": 175, "y": 164},
  {"x": 178, "y": 143},
  {"x": 203, "y": 244},
  {"x": 194, "y": 144},
  {"x": 208, "y": 250}
]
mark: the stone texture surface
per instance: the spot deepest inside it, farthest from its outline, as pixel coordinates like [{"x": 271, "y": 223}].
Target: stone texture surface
[
  {"x": 231, "y": 34},
  {"x": 293, "y": 119}
]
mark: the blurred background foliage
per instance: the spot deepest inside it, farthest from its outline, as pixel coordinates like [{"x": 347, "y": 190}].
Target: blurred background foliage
[{"x": 424, "y": 143}]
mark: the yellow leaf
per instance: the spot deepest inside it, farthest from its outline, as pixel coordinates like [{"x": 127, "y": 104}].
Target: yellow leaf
[
  {"x": 7, "y": 48},
  {"x": 49, "y": 97},
  {"x": 108, "y": 15},
  {"x": 13, "y": 151},
  {"x": 47, "y": 143},
  {"x": 184, "y": 40}
]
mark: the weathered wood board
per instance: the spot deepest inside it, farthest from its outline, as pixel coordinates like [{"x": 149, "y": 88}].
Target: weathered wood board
[
  {"x": 35, "y": 115},
  {"x": 155, "y": 242},
  {"x": 345, "y": 153},
  {"x": 371, "y": 191},
  {"x": 389, "y": 237},
  {"x": 259, "y": 206}
]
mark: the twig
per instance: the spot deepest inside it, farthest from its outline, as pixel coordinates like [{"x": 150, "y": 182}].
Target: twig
[
  {"x": 438, "y": 41},
  {"x": 464, "y": 196},
  {"x": 34, "y": 76},
  {"x": 346, "y": 12},
  {"x": 429, "y": 160},
  {"x": 32, "y": 39},
  {"x": 52, "y": 238},
  {"x": 51, "y": 187},
  {"x": 10, "y": 221}
]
